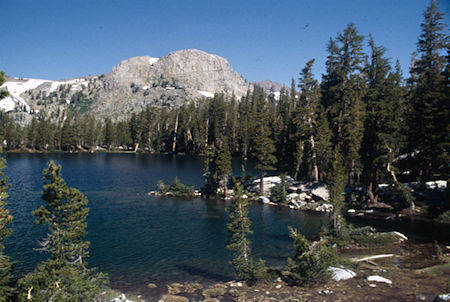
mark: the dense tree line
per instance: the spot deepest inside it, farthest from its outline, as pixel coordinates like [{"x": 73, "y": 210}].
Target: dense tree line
[{"x": 362, "y": 109}]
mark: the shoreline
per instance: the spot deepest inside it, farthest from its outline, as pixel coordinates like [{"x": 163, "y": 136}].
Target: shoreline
[{"x": 411, "y": 271}]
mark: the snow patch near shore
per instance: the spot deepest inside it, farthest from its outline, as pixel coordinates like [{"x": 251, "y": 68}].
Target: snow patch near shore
[
  {"x": 339, "y": 274},
  {"x": 379, "y": 279}
]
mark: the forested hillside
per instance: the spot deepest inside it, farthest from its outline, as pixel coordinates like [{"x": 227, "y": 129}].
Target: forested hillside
[{"x": 363, "y": 109}]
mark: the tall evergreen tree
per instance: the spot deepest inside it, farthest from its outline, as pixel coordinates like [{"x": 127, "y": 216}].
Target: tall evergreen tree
[
  {"x": 429, "y": 96},
  {"x": 263, "y": 150},
  {"x": 239, "y": 228},
  {"x": 5, "y": 219},
  {"x": 239, "y": 244},
  {"x": 384, "y": 123},
  {"x": 217, "y": 169},
  {"x": 336, "y": 185},
  {"x": 32, "y": 129},
  {"x": 223, "y": 165},
  {"x": 309, "y": 99},
  {"x": 342, "y": 92},
  {"x": 108, "y": 133},
  {"x": 323, "y": 136},
  {"x": 68, "y": 134},
  {"x": 64, "y": 276},
  {"x": 311, "y": 261}
]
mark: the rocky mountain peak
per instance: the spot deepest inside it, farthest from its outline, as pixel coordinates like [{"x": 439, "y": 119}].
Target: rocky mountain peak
[{"x": 135, "y": 83}]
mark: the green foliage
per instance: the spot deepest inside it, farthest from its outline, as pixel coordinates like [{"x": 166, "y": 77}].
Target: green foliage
[
  {"x": 239, "y": 228},
  {"x": 3, "y": 93},
  {"x": 302, "y": 123},
  {"x": 429, "y": 118},
  {"x": 5, "y": 219},
  {"x": 64, "y": 276},
  {"x": 311, "y": 261},
  {"x": 263, "y": 149},
  {"x": 384, "y": 135},
  {"x": 222, "y": 162},
  {"x": 177, "y": 189},
  {"x": 322, "y": 136},
  {"x": 217, "y": 168},
  {"x": 444, "y": 217},
  {"x": 402, "y": 195},
  {"x": 373, "y": 239},
  {"x": 80, "y": 104},
  {"x": 211, "y": 183},
  {"x": 279, "y": 192},
  {"x": 336, "y": 185},
  {"x": 65, "y": 284},
  {"x": 341, "y": 236},
  {"x": 342, "y": 91},
  {"x": 438, "y": 249}
]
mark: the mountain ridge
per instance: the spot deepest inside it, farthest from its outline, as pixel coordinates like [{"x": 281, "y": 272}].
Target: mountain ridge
[{"x": 130, "y": 86}]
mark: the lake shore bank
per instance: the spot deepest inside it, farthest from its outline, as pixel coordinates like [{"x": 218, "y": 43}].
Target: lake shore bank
[{"x": 414, "y": 271}]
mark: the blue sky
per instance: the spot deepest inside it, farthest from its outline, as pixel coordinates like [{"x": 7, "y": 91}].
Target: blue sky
[{"x": 261, "y": 39}]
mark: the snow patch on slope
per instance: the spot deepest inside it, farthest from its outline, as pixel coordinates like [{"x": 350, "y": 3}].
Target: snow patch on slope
[
  {"x": 153, "y": 60},
  {"x": 15, "y": 88},
  {"x": 77, "y": 84},
  {"x": 206, "y": 93}
]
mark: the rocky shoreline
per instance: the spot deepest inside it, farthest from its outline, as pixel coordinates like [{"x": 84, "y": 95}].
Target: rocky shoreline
[{"x": 402, "y": 271}]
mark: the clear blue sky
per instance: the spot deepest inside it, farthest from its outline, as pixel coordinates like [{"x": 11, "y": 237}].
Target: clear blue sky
[{"x": 261, "y": 39}]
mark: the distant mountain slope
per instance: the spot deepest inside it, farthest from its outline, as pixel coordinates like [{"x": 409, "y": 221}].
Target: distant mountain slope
[{"x": 129, "y": 87}]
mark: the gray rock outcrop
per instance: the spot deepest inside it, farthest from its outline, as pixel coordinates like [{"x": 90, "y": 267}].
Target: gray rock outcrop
[{"x": 129, "y": 87}]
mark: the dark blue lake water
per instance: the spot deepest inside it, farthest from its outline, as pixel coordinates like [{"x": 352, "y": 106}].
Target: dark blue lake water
[{"x": 137, "y": 238}]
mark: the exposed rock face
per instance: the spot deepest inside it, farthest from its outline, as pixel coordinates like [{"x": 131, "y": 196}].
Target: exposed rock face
[
  {"x": 179, "y": 77},
  {"x": 135, "y": 83}
]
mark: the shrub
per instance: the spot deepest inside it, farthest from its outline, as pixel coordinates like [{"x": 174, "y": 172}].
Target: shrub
[
  {"x": 176, "y": 189},
  {"x": 311, "y": 261},
  {"x": 444, "y": 217},
  {"x": 402, "y": 195}
]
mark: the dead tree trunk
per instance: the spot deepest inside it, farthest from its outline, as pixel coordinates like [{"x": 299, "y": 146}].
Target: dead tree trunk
[{"x": 175, "y": 133}]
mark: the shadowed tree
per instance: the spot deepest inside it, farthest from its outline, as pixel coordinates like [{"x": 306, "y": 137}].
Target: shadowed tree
[
  {"x": 430, "y": 98},
  {"x": 64, "y": 276},
  {"x": 5, "y": 219}
]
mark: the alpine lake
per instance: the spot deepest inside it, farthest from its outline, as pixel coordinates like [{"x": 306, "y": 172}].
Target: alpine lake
[{"x": 140, "y": 239}]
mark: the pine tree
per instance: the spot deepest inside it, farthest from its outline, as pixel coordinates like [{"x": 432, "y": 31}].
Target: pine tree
[
  {"x": 323, "y": 136},
  {"x": 384, "y": 124},
  {"x": 108, "y": 134},
  {"x": 342, "y": 92},
  {"x": 32, "y": 129},
  {"x": 239, "y": 244},
  {"x": 64, "y": 276},
  {"x": 223, "y": 165},
  {"x": 5, "y": 219},
  {"x": 429, "y": 97},
  {"x": 217, "y": 169},
  {"x": 263, "y": 150},
  {"x": 239, "y": 228},
  {"x": 336, "y": 185},
  {"x": 3, "y": 93},
  {"x": 309, "y": 99},
  {"x": 68, "y": 134},
  {"x": 209, "y": 168},
  {"x": 311, "y": 261},
  {"x": 279, "y": 191},
  {"x": 44, "y": 135}
]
